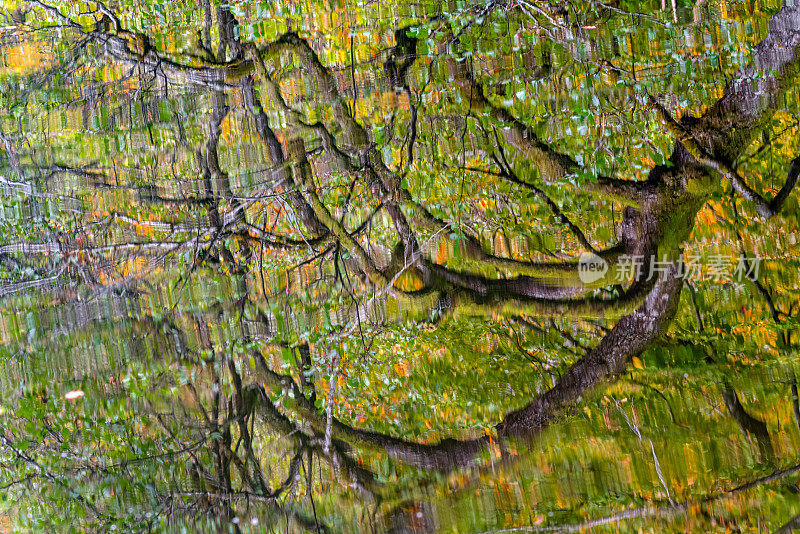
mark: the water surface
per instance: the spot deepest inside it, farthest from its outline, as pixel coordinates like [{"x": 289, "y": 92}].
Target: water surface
[{"x": 399, "y": 267}]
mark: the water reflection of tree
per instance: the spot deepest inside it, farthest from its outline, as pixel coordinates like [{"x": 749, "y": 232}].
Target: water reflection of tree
[{"x": 656, "y": 221}]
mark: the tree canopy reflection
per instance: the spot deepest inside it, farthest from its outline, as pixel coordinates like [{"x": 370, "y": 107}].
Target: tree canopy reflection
[{"x": 275, "y": 230}]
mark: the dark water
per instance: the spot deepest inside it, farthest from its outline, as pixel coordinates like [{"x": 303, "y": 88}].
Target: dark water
[{"x": 392, "y": 267}]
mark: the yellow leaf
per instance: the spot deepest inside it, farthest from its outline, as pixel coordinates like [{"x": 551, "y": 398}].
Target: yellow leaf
[{"x": 637, "y": 363}]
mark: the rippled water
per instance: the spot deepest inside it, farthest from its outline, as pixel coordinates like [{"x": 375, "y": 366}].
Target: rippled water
[{"x": 391, "y": 267}]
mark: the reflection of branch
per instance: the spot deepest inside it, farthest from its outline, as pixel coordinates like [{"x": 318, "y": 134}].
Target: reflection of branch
[
  {"x": 276, "y": 156},
  {"x": 753, "y": 93},
  {"x": 747, "y": 423},
  {"x": 669, "y": 509},
  {"x": 552, "y": 165},
  {"x": 44, "y": 473},
  {"x": 795, "y": 402},
  {"x": 391, "y": 193},
  {"x": 524, "y": 295},
  {"x": 790, "y": 526},
  {"x": 309, "y": 189},
  {"x": 39, "y": 284},
  {"x": 635, "y": 429},
  {"x": 718, "y": 138},
  {"x": 335, "y": 455},
  {"x": 395, "y": 199},
  {"x": 766, "y": 208},
  {"x": 663, "y": 397},
  {"x": 509, "y": 174},
  {"x": 60, "y": 16},
  {"x": 632, "y": 334}
]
